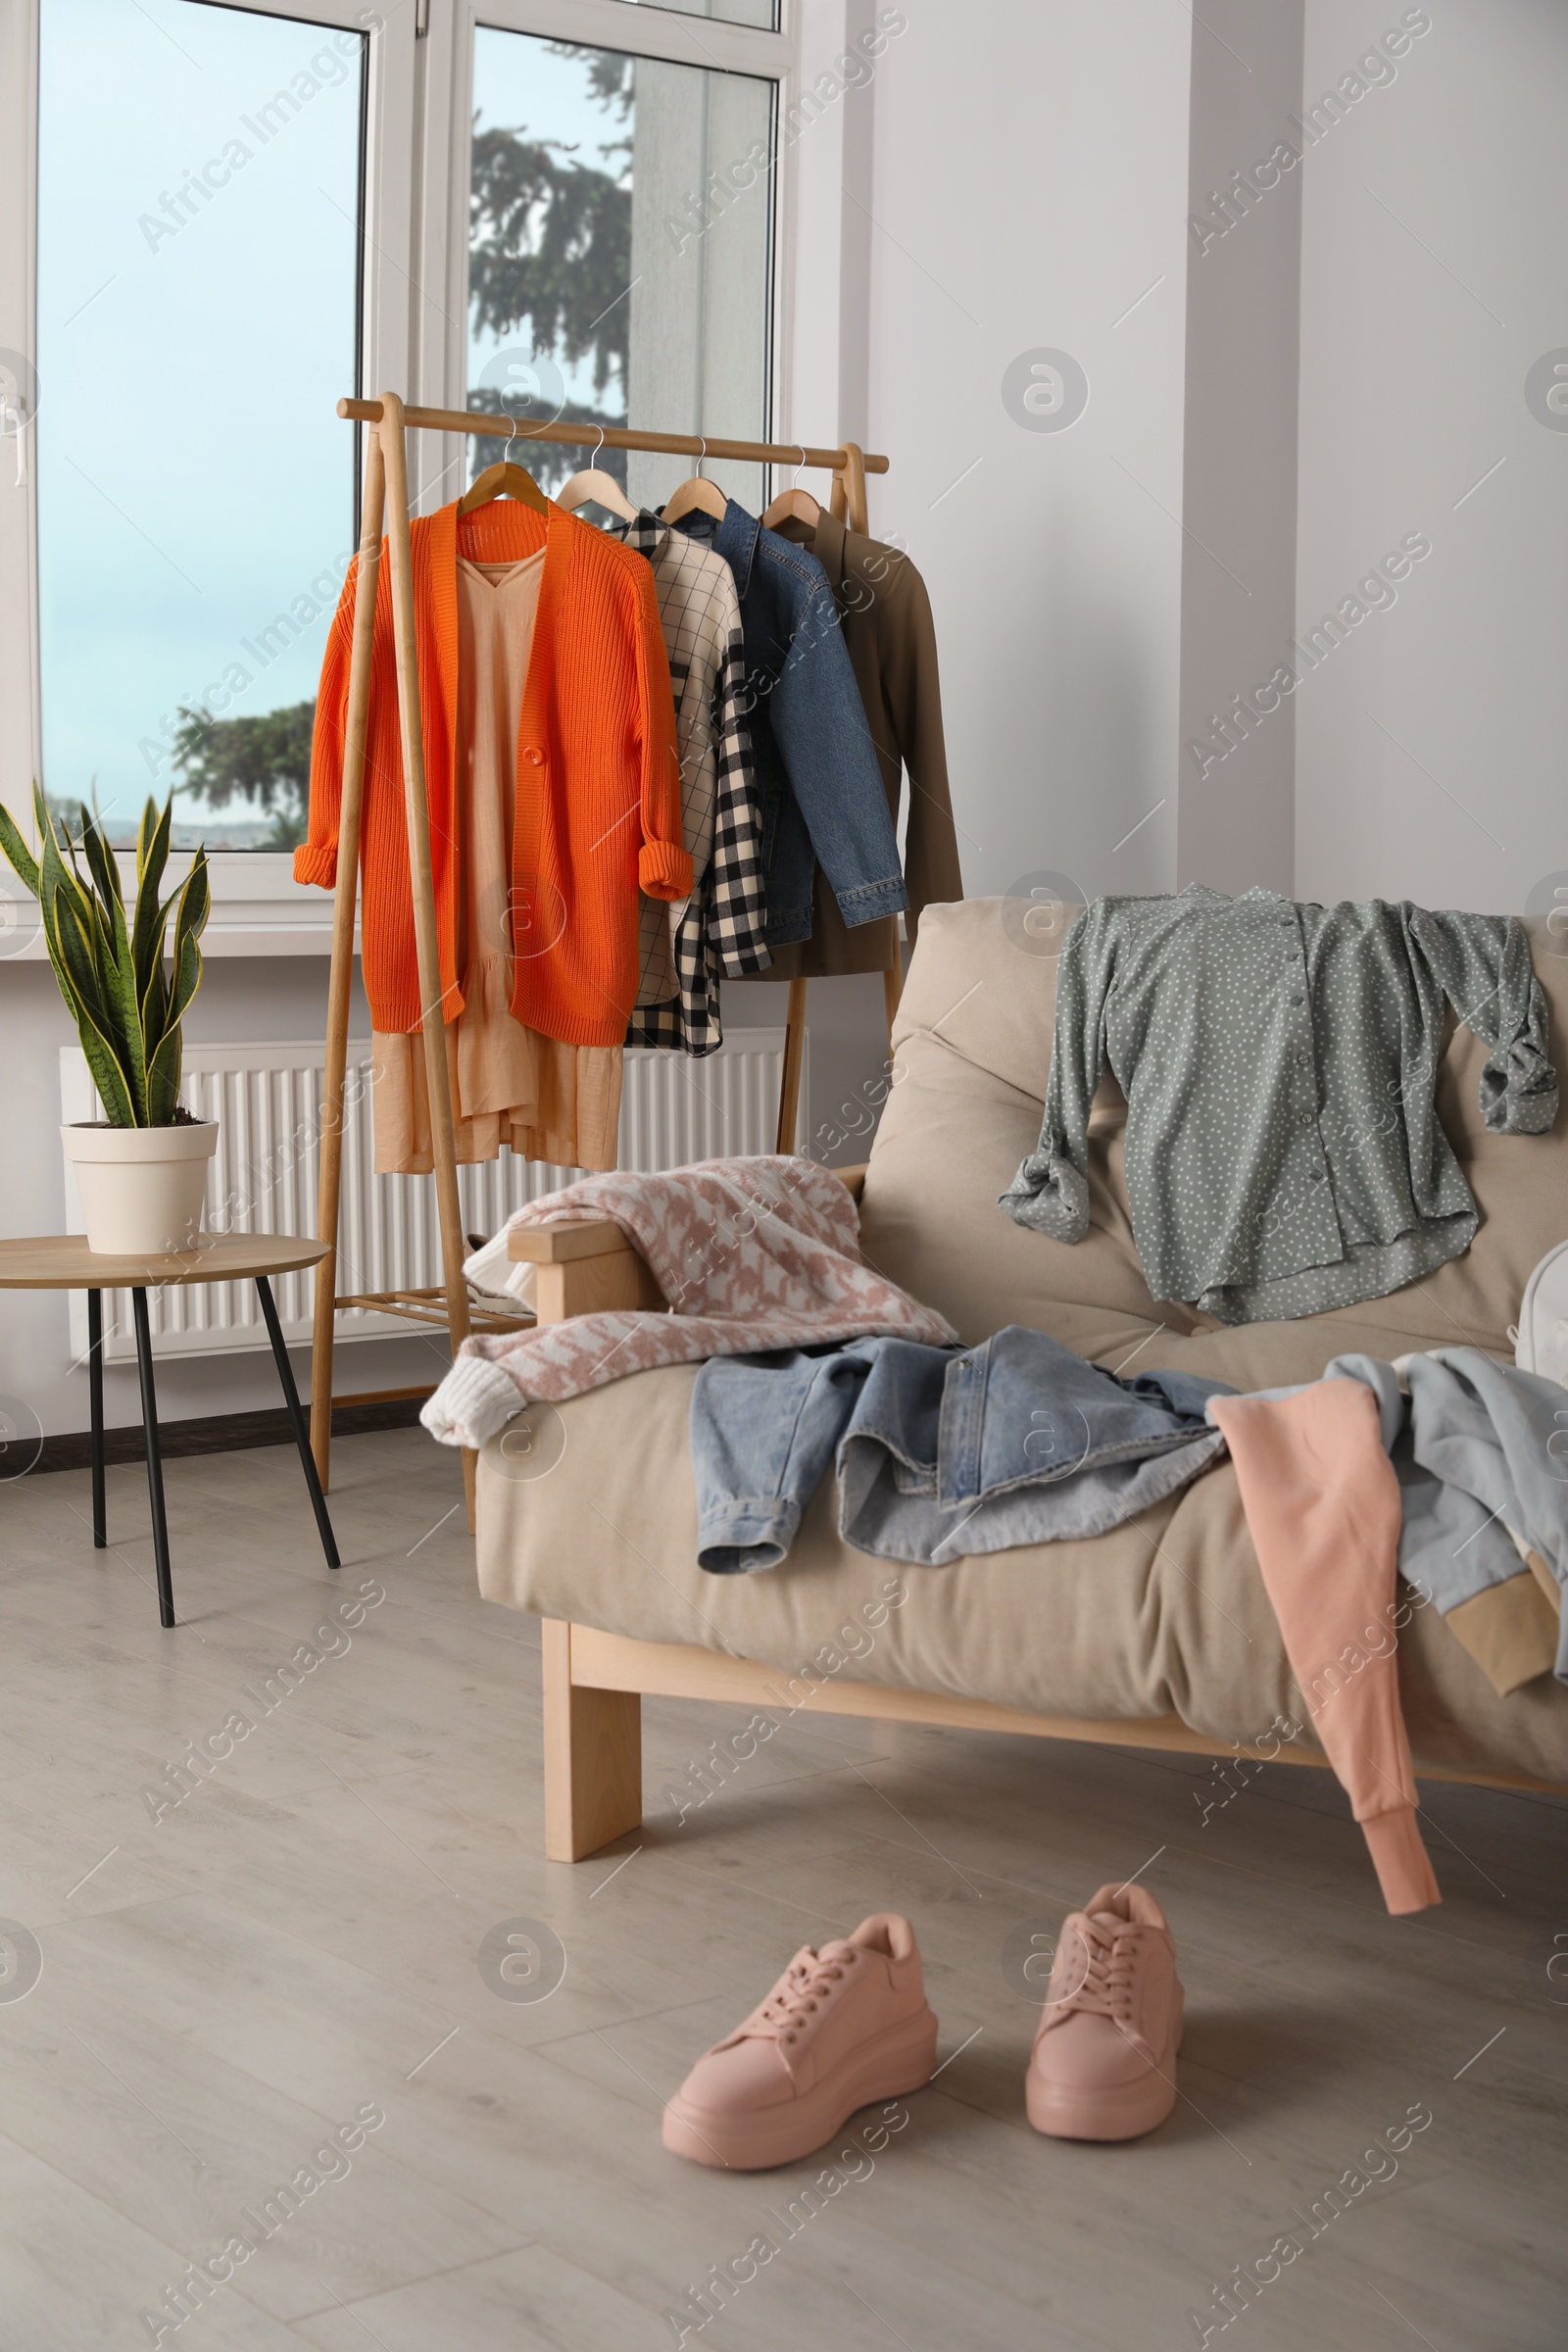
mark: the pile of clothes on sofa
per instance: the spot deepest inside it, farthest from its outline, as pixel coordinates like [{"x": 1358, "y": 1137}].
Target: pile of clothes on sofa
[{"x": 1284, "y": 1158}]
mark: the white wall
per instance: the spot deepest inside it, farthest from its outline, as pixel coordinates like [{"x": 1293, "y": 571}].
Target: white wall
[
  {"x": 1030, "y": 171},
  {"x": 1236, "y": 774},
  {"x": 1431, "y": 748},
  {"x": 1030, "y": 183}
]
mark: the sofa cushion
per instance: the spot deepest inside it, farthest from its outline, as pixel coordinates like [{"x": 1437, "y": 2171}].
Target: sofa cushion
[
  {"x": 1166, "y": 1613},
  {"x": 971, "y": 1054},
  {"x": 929, "y": 1214}
]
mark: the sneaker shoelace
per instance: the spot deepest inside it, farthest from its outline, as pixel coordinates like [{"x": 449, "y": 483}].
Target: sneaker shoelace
[
  {"x": 800, "y": 1994},
  {"x": 1110, "y": 1953}
]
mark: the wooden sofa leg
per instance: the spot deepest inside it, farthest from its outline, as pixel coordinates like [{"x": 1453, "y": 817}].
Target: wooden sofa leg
[{"x": 593, "y": 1756}]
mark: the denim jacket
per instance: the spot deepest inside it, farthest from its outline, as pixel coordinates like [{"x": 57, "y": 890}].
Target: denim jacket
[
  {"x": 941, "y": 1453},
  {"x": 820, "y": 788}
]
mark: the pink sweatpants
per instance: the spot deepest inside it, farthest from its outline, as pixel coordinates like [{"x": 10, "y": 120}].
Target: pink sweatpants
[{"x": 1323, "y": 1505}]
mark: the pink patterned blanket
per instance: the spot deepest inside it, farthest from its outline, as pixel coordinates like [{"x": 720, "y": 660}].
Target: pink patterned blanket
[{"x": 750, "y": 1254}]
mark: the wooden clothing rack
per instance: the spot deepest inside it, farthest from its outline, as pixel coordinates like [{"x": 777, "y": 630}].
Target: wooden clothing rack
[{"x": 386, "y": 503}]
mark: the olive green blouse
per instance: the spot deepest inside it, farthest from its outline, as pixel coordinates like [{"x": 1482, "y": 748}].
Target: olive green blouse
[{"x": 1284, "y": 1153}]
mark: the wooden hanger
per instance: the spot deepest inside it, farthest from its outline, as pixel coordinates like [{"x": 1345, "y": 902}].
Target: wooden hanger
[
  {"x": 593, "y": 483},
  {"x": 504, "y": 481},
  {"x": 697, "y": 492},
  {"x": 793, "y": 505}
]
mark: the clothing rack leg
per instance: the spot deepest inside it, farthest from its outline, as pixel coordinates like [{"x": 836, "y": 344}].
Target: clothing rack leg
[
  {"x": 340, "y": 984},
  {"x": 849, "y": 504},
  {"x": 433, "y": 995},
  {"x": 788, "y": 1093},
  {"x": 858, "y": 513},
  {"x": 892, "y": 990}
]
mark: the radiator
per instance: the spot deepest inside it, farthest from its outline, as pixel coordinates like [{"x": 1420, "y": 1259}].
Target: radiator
[{"x": 267, "y": 1101}]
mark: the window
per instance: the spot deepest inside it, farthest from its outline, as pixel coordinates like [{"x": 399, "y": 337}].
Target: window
[
  {"x": 241, "y": 210},
  {"x": 606, "y": 284},
  {"x": 199, "y": 201},
  {"x": 729, "y": 11}
]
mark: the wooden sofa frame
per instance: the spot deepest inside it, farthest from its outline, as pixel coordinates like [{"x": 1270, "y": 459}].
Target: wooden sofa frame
[{"x": 594, "y": 1681}]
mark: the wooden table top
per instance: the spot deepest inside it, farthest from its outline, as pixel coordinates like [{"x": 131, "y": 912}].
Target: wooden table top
[{"x": 63, "y": 1261}]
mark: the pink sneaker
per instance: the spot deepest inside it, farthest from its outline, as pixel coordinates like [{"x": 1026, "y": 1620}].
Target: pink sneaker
[
  {"x": 1104, "y": 2064},
  {"x": 842, "y": 2027}
]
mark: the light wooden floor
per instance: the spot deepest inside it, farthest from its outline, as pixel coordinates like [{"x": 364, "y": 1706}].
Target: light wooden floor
[{"x": 298, "y": 1939}]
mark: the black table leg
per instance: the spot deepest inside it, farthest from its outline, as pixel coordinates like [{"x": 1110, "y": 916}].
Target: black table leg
[
  {"x": 95, "y": 1391},
  {"x": 155, "y": 1459},
  {"x": 302, "y": 1435}
]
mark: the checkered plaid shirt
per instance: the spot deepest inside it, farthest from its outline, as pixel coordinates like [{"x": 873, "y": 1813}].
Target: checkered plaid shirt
[{"x": 686, "y": 948}]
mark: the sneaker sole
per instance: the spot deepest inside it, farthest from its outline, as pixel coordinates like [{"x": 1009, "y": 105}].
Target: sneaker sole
[
  {"x": 1123, "y": 2111},
  {"x": 899, "y": 2061}
]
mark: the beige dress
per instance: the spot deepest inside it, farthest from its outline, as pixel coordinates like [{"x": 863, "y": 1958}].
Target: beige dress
[{"x": 546, "y": 1099}]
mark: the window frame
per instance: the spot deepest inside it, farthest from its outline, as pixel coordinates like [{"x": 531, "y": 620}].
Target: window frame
[
  {"x": 419, "y": 132},
  {"x": 643, "y": 31}
]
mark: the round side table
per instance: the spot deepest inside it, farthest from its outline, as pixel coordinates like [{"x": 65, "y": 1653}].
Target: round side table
[{"x": 64, "y": 1262}]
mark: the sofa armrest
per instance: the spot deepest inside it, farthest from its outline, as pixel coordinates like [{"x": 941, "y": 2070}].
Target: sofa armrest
[
  {"x": 582, "y": 1268},
  {"x": 587, "y": 1265},
  {"x": 563, "y": 1243}
]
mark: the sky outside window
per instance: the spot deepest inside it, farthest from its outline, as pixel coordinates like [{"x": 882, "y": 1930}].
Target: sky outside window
[
  {"x": 197, "y": 278},
  {"x": 619, "y": 250}
]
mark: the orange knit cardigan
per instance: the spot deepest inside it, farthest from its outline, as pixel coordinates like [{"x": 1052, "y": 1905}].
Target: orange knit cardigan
[{"x": 597, "y": 803}]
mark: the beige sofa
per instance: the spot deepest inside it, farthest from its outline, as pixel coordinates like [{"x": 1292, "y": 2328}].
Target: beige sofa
[{"x": 1158, "y": 1632}]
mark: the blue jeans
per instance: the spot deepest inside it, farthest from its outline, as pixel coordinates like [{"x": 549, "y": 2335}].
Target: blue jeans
[{"x": 941, "y": 1451}]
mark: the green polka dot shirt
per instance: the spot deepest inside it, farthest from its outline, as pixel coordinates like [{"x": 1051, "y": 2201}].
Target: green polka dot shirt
[{"x": 1284, "y": 1153}]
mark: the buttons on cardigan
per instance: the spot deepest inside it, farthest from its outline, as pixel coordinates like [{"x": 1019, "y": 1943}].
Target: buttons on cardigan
[{"x": 533, "y": 755}]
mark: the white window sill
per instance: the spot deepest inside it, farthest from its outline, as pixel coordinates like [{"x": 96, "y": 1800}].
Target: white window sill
[{"x": 258, "y": 908}]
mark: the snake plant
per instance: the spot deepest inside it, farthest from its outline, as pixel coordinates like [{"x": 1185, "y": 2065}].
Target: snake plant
[{"x": 126, "y": 1006}]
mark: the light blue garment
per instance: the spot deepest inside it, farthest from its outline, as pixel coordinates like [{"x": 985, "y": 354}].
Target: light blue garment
[
  {"x": 1497, "y": 1436},
  {"x": 941, "y": 1453},
  {"x": 1479, "y": 1448},
  {"x": 1451, "y": 1546},
  {"x": 763, "y": 1430}
]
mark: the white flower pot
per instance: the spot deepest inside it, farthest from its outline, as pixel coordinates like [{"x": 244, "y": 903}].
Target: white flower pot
[{"x": 141, "y": 1188}]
